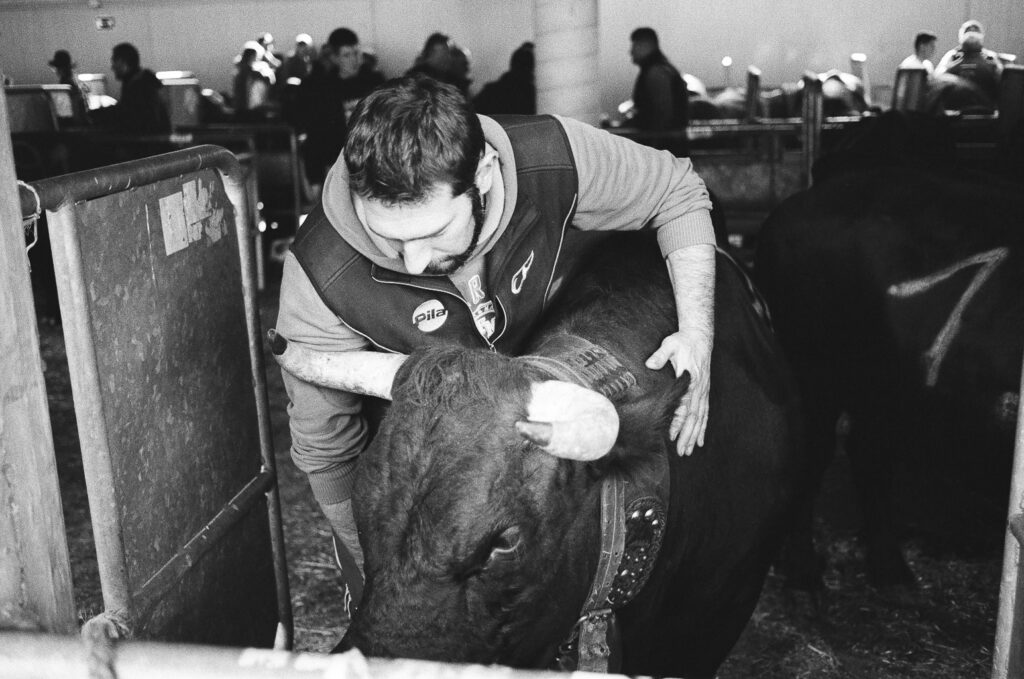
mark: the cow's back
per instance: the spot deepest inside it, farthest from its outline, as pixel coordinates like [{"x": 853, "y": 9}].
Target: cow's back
[{"x": 730, "y": 500}]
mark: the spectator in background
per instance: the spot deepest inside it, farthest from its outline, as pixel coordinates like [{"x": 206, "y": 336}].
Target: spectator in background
[
  {"x": 437, "y": 59},
  {"x": 924, "y": 50},
  {"x": 461, "y": 59},
  {"x": 64, "y": 68},
  {"x": 369, "y": 68},
  {"x": 140, "y": 109},
  {"x": 252, "y": 84},
  {"x": 326, "y": 98},
  {"x": 971, "y": 61},
  {"x": 266, "y": 41},
  {"x": 660, "y": 97},
  {"x": 514, "y": 91},
  {"x": 299, "y": 62},
  {"x": 295, "y": 68}
]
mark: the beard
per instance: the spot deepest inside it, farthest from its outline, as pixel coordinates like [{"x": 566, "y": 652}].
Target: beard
[{"x": 451, "y": 263}]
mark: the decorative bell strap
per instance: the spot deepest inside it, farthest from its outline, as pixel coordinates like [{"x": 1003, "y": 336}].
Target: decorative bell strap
[
  {"x": 575, "y": 359},
  {"x": 599, "y": 642}
]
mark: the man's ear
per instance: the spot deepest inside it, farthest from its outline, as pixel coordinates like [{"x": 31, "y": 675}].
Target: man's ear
[{"x": 485, "y": 171}]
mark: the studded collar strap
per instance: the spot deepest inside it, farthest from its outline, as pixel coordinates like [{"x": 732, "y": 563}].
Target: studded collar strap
[{"x": 632, "y": 515}]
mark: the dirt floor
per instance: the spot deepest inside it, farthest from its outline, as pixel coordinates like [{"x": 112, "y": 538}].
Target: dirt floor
[{"x": 943, "y": 628}]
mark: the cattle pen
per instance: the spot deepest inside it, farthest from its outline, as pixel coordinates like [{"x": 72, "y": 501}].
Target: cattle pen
[{"x": 35, "y": 578}]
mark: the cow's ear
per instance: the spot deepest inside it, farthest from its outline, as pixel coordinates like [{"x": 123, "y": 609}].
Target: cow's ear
[{"x": 643, "y": 427}]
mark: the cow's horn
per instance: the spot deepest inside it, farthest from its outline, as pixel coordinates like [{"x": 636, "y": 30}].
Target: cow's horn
[
  {"x": 360, "y": 372},
  {"x": 570, "y": 421}
]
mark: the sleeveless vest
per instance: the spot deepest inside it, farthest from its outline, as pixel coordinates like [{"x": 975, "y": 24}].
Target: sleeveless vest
[{"x": 400, "y": 312}]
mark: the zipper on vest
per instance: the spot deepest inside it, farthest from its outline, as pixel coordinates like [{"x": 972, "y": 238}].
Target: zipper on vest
[{"x": 490, "y": 345}]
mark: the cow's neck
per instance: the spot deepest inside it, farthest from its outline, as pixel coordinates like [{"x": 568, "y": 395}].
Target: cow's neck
[{"x": 632, "y": 511}]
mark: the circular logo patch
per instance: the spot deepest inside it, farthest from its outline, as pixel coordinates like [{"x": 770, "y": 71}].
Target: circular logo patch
[{"x": 429, "y": 316}]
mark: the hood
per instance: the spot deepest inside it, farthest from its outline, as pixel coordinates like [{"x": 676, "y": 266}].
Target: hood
[{"x": 341, "y": 212}]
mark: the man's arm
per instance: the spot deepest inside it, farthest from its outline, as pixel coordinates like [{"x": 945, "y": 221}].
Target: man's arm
[
  {"x": 692, "y": 270},
  {"x": 625, "y": 186},
  {"x": 327, "y": 428}
]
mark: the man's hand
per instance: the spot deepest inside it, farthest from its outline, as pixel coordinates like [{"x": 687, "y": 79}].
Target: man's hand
[
  {"x": 692, "y": 270},
  {"x": 344, "y": 525},
  {"x": 689, "y": 353}
]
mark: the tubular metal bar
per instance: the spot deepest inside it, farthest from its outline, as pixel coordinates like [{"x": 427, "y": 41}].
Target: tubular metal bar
[
  {"x": 812, "y": 117},
  {"x": 90, "y": 184},
  {"x": 236, "y": 193},
  {"x": 40, "y": 656},
  {"x": 152, "y": 591},
  {"x": 1008, "y": 660},
  {"x": 81, "y": 353}
]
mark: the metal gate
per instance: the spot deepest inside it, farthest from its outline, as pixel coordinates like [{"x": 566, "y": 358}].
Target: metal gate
[{"x": 156, "y": 280}]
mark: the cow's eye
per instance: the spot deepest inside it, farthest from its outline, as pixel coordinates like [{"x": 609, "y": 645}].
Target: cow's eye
[{"x": 505, "y": 545}]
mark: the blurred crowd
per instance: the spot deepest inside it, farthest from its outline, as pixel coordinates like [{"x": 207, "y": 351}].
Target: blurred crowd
[{"x": 311, "y": 87}]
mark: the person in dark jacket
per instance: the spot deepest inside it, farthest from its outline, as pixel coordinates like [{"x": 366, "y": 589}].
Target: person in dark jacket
[
  {"x": 325, "y": 100},
  {"x": 514, "y": 91},
  {"x": 660, "y": 98},
  {"x": 140, "y": 109}
]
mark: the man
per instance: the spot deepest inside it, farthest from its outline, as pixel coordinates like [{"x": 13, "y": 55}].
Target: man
[
  {"x": 924, "y": 50},
  {"x": 514, "y": 91},
  {"x": 64, "y": 68},
  {"x": 438, "y": 59},
  {"x": 140, "y": 109},
  {"x": 325, "y": 100},
  {"x": 973, "y": 62},
  {"x": 298, "y": 63},
  {"x": 434, "y": 207},
  {"x": 660, "y": 98}
]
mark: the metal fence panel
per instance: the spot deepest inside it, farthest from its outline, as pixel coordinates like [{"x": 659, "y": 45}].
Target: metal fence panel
[{"x": 150, "y": 280}]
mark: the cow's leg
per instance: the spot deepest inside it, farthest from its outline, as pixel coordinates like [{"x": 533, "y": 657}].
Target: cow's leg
[
  {"x": 800, "y": 563},
  {"x": 871, "y": 448}
]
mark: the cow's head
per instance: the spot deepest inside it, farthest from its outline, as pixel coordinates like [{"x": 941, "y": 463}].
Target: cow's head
[
  {"x": 475, "y": 538},
  {"x": 477, "y": 505}
]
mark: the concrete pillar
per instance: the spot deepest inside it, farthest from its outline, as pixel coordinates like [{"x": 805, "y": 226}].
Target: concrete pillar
[{"x": 567, "y": 65}]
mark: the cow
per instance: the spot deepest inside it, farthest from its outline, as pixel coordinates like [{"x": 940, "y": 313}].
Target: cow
[
  {"x": 490, "y": 502},
  {"x": 896, "y": 293}
]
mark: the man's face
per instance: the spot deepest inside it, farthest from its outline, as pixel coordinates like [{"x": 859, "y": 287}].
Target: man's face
[
  {"x": 348, "y": 59},
  {"x": 119, "y": 67},
  {"x": 435, "y": 237},
  {"x": 928, "y": 50},
  {"x": 639, "y": 50}
]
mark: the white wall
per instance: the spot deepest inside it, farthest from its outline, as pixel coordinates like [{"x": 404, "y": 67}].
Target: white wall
[{"x": 782, "y": 37}]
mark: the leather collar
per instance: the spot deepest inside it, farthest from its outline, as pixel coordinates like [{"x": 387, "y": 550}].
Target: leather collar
[{"x": 632, "y": 514}]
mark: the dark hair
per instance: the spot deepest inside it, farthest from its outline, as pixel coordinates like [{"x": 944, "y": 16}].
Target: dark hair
[
  {"x": 126, "y": 52},
  {"x": 644, "y": 34},
  {"x": 433, "y": 40},
  {"x": 410, "y": 135},
  {"x": 522, "y": 59},
  {"x": 922, "y": 38},
  {"x": 342, "y": 37}
]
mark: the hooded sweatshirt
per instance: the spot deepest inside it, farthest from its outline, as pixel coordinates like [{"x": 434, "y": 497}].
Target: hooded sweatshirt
[{"x": 621, "y": 186}]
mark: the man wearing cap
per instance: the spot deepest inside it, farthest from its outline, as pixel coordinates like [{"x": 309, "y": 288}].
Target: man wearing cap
[
  {"x": 65, "y": 70},
  {"x": 973, "y": 62},
  {"x": 437, "y": 225}
]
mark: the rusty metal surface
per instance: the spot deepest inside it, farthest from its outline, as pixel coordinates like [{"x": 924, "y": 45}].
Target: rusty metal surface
[{"x": 160, "y": 271}]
